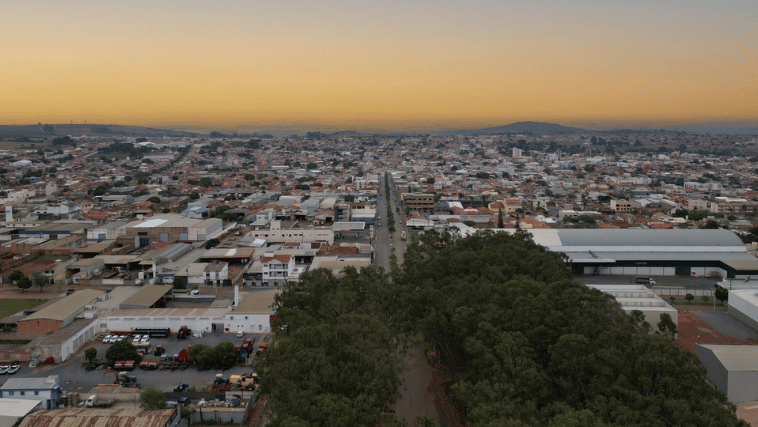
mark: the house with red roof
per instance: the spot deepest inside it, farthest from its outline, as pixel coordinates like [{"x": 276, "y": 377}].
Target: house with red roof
[{"x": 277, "y": 269}]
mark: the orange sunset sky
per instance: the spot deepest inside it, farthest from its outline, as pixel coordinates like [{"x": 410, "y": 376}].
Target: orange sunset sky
[{"x": 378, "y": 64}]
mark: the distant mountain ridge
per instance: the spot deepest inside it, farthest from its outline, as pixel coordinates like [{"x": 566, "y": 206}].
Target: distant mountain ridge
[
  {"x": 48, "y": 130},
  {"x": 526, "y": 127}
]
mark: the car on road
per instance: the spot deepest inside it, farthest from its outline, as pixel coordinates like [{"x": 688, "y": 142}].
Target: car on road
[
  {"x": 181, "y": 387},
  {"x": 107, "y": 339},
  {"x": 136, "y": 339},
  {"x": 92, "y": 366}
]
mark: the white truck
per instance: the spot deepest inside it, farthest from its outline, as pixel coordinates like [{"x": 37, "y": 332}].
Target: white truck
[{"x": 93, "y": 402}]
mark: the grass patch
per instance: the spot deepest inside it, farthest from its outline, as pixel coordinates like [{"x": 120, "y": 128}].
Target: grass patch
[
  {"x": 12, "y": 306},
  {"x": 15, "y": 342}
]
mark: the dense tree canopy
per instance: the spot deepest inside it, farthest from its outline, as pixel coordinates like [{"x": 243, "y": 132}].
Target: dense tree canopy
[
  {"x": 527, "y": 346},
  {"x": 334, "y": 363}
]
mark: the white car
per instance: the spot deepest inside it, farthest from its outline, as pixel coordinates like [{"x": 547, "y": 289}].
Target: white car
[
  {"x": 122, "y": 337},
  {"x": 145, "y": 338},
  {"x": 107, "y": 339},
  {"x": 4, "y": 369},
  {"x": 114, "y": 339},
  {"x": 136, "y": 339}
]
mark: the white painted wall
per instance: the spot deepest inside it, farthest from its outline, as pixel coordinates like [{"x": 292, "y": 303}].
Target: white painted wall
[
  {"x": 197, "y": 324},
  {"x": 254, "y": 323}
]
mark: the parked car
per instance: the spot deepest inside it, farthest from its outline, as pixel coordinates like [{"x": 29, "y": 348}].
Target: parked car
[
  {"x": 122, "y": 337},
  {"x": 4, "y": 369},
  {"x": 114, "y": 339},
  {"x": 145, "y": 338},
  {"x": 183, "y": 401},
  {"x": 136, "y": 339},
  {"x": 107, "y": 339},
  {"x": 15, "y": 366},
  {"x": 92, "y": 366}
]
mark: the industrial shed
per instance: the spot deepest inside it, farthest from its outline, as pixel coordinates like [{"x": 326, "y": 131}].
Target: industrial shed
[
  {"x": 232, "y": 256},
  {"x": 733, "y": 369},
  {"x": 743, "y": 304},
  {"x": 100, "y": 417},
  {"x": 61, "y": 313},
  {"x": 638, "y": 252},
  {"x": 148, "y": 296},
  {"x": 197, "y": 319},
  {"x": 253, "y": 314}
]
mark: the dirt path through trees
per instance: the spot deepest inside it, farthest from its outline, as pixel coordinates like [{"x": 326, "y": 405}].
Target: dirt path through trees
[{"x": 416, "y": 397}]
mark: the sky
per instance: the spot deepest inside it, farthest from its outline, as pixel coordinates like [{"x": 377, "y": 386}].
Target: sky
[{"x": 360, "y": 64}]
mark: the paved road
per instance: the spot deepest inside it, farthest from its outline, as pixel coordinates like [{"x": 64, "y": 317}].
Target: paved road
[{"x": 386, "y": 242}]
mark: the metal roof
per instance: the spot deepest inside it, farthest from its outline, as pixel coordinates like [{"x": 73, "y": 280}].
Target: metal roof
[
  {"x": 99, "y": 417},
  {"x": 258, "y": 302},
  {"x": 18, "y": 408},
  {"x": 735, "y": 358},
  {"x": 49, "y": 382},
  {"x": 68, "y": 306},
  {"x": 632, "y": 255},
  {"x": 146, "y": 296},
  {"x": 645, "y": 237},
  {"x": 170, "y": 312}
]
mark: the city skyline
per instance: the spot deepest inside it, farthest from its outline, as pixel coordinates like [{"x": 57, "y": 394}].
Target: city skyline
[{"x": 379, "y": 65}]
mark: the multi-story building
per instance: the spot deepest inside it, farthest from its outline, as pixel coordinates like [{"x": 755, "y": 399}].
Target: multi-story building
[
  {"x": 619, "y": 205},
  {"x": 421, "y": 203},
  {"x": 47, "y": 390},
  {"x": 277, "y": 269}
]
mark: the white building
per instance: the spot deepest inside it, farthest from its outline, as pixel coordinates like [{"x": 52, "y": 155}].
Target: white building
[
  {"x": 253, "y": 314},
  {"x": 47, "y": 390},
  {"x": 277, "y": 269},
  {"x": 275, "y": 233},
  {"x": 216, "y": 273}
]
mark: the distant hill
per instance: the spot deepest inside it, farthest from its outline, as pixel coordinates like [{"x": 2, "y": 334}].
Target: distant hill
[
  {"x": 537, "y": 128},
  {"x": 47, "y": 130}
]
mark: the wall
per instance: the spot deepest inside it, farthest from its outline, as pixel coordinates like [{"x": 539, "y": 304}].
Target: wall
[
  {"x": 197, "y": 324},
  {"x": 743, "y": 386},
  {"x": 716, "y": 372},
  {"x": 743, "y": 309},
  {"x": 39, "y": 325},
  {"x": 246, "y": 322}
]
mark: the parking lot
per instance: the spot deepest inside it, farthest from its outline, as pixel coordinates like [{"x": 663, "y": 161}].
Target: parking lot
[{"x": 75, "y": 378}]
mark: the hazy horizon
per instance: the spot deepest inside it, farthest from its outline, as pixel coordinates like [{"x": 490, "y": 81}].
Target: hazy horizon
[{"x": 388, "y": 65}]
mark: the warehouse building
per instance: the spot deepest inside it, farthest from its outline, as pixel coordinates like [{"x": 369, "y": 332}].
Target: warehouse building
[
  {"x": 102, "y": 417},
  {"x": 637, "y": 252},
  {"x": 172, "y": 228},
  {"x": 148, "y": 296},
  {"x": 197, "y": 319},
  {"x": 743, "y": 304},
  {"x": 733, "y": 369},
  {"x": 61, "y": 313}
]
